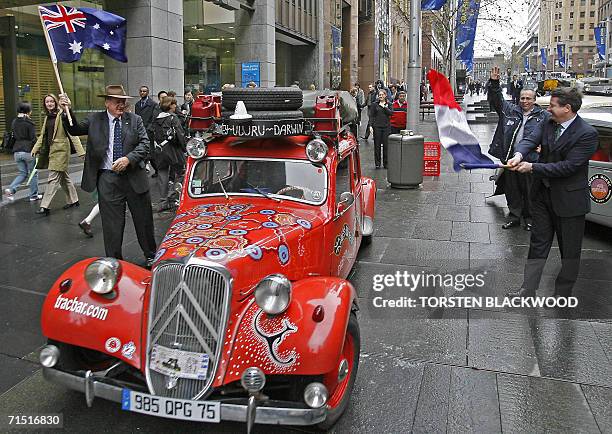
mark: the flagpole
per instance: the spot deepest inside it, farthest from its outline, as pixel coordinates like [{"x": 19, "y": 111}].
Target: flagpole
[{"x": 54, "y": 62}]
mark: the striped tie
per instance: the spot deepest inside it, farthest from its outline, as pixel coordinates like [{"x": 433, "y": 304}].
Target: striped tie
[
  {"x": 558, "y": 131},
  {"x": 117, "y": 145}
]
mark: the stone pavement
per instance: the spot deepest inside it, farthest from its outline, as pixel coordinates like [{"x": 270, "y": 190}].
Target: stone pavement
[{"x": 421, "y": 370}]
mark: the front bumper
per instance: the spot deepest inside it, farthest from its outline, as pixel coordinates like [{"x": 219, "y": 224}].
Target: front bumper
[{"x": 265, "y": 414}]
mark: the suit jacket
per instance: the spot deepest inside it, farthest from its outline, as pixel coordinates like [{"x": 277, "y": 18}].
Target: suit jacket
[
  {"x": 563, "y": 164},
  {"x": 135, "y": 147},
  {"x": 146, "y": 112}
]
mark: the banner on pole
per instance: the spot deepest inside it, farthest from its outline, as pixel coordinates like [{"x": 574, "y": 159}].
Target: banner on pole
[
  {"x": 467, "y": 19},
  {"x": 600, "y": 40},
  {"x": 561, "y": 55},
  {"x": 526, "y": 63},
  {"x": 71, "y": 30},
  {"x": 544, "y": 58}
]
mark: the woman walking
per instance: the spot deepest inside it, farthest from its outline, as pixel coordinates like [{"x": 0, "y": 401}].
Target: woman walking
[
  {"x": 53, "y": 148},
  {"x": 380, "y": 113},
  {"x": 169, "y": 151},
  {"x": 25, "y": 136}
]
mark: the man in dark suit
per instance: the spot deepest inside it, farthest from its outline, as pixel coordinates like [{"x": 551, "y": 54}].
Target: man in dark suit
[
  {"x": 560, "y": 195},
  {"x": 516, "y": 86},
  {"x": 117, "y": 146},
  {"x": 144, "y": 107}
]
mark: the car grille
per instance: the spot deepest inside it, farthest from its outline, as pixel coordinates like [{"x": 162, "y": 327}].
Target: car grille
[{"x": 188, "y": 311}]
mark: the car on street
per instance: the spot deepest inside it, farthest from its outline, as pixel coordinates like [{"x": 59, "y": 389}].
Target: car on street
[{"x": 247, "y": 314}]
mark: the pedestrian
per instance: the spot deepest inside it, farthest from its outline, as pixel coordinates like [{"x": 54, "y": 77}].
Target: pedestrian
[
  {"x": 25, "y": 136},
  {"x": 149, "y": 127},
  {"x": 117, "y": 146},
  {"x": 393, "y": 90},
  {"x": 402, "y": 86},
  {"x": 478, "y": 86},
  {"x": 515, "y": 88},
  {"x": 361, "y": 103},
  {"x": 515, "y": 122},
  {"x": 169, "y": 150},
  {"x": 380, "y": 113},
  {"x": 171, "y": 93},
  {"x": 53, "y": 149},
  {"x": 560, "y": 190},
  {"x": 380, "y": 85},
  {"x": 185, "y": 111},
  {"x": 472, "y": 88},
  {"x": 144, "y": 107},
  {"x": 400, "y": 109},
  {"x": 370, "y": 100}
]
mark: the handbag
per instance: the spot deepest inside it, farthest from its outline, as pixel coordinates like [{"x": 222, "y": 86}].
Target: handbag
[{"x": 8, "y": 142}]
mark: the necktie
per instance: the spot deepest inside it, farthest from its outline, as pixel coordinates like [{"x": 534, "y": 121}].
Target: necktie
[
  {"x": 558, "y": 131},
  {"x": 117, "y": 145}
]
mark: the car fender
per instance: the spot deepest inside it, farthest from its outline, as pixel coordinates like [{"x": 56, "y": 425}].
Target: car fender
[
  {"x": 369, "y": 196},
  {"x": 110, "y": 325},
  {"x": 292, "y": 342}
]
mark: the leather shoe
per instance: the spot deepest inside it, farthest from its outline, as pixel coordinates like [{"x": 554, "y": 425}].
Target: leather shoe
[
  {"x": 71, "y": 205},
  {"x": 86, "y": 228},
  {"x": 149, "y": 263},
  {"x": 510, "y": 224},
  {"x": 42, "y": 211},
  {"x": 522, "y": 293}
]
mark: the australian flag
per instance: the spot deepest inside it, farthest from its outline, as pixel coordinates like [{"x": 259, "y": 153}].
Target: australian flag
[{"x": 71, "y": 30}]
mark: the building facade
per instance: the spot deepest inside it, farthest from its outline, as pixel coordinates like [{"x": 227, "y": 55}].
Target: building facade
[
  {"x": 604, "y": 18},
  {"x": 569, "y": 22}
]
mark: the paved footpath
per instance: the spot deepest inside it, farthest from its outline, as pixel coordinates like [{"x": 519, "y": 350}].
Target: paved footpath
[{"x": 421, "y": 370}]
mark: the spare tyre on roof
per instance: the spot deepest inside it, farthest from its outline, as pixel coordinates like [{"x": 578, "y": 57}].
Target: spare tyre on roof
[
  {"x": 348, "y": 105},
  {"x": 263, "y": 98}
]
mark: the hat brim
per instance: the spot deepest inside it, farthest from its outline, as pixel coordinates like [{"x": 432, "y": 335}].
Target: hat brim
[{"x": 117, "y": 96}]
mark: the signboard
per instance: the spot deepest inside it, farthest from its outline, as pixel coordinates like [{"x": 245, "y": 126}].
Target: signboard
[
  {"x": 261, "y": 128},
  {"x": 250, "y": 72},
  {"x": 600, "y": 41}
]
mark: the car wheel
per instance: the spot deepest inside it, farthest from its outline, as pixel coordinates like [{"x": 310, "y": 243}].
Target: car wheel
[
  {"x": 261, "y": 98},
  {"x": 339, "y": 398},
  {"x": 366, "y": 240}
]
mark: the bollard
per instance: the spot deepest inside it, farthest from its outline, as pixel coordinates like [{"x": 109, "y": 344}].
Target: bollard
[{"x": 405, "y": 160}]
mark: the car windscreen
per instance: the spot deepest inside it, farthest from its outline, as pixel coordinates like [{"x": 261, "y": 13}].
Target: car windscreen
[{"x": 283, "y": 179}]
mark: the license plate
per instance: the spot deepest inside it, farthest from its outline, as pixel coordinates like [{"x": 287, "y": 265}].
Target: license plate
[
  {"x": 184, "y": 409},
  {"x": 178, "y": 363}
]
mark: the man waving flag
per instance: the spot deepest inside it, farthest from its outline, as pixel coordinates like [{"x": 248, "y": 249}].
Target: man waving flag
[
  {"x": 71, "y": 30},
  {"x": 455, "y": 134}
]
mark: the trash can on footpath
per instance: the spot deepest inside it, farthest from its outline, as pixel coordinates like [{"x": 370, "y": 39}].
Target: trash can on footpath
[{"x": 405, "y": 160}]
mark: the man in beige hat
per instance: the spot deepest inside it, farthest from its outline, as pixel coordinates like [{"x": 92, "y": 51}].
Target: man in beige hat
[{"x": 117, "y": 146}]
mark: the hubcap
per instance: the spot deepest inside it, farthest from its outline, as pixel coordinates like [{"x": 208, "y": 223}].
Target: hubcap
[{"x": 343, "y": 370}]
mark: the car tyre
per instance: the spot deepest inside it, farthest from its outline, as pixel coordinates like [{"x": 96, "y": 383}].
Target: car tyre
[
  {"x": 366, "y": 240},
  {"x": 340, "y": 397},
  {"x": 261, "y": 98}
]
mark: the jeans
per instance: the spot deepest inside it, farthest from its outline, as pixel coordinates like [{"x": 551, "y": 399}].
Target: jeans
[{"x": 25, "y": 164}]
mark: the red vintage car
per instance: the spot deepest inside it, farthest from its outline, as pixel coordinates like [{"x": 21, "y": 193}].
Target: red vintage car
[{"x": 247, "y": 314}]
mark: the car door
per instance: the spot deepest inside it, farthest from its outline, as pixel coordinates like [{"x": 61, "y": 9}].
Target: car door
[{"x": 343, "y": 241}]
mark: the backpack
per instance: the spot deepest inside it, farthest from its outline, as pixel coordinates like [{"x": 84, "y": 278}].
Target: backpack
[{"x": 163, "y": 132}]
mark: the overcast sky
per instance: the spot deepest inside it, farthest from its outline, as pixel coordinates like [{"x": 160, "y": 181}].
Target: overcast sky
[{"x": 491, "y": 34}]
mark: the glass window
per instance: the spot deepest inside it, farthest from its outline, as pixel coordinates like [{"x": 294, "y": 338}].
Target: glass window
[
  {"x": 81, "y": 80},
  {"x": 581, "y": 26},
  {"x": 291, "y": 179},
  {"x": 209, "y": 41},
  {"x": 343, "y": 179}
]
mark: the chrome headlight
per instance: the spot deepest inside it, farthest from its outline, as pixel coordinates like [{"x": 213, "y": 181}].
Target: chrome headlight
[
  {"x": 273, "y": 294},
  {"x": 315, "y": 395},
  {"x": 196, "y": 147},
  {"x": 102, "y": 275},
  {"x": 49, "y": 356},
  {"x": 316, "y": 150}
]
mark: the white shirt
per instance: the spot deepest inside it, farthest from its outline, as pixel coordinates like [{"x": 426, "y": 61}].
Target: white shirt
[{"x": 108, "y": 158}]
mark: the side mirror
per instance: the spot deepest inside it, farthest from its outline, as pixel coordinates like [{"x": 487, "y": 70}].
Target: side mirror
[{"x": 346, "y": 200}]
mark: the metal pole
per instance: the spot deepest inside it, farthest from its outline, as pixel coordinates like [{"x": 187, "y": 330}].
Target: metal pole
[
  {"x": 607, "y": 49},
  {"x": 414, "y": 66},
  {"x": 452, "y": 74}
]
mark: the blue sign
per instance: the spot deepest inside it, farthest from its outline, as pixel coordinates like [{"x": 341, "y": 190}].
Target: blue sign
[
  {"x": 526, "y": 63},
  {"x": 561, "y": 55},
  {"x": 250, "y": 72},
  {"x": 467, "y": 19},
  {"x": 432, "y": 5},
  {"x": 543, "y": 55},
  {"x": 600, "y": 40}
]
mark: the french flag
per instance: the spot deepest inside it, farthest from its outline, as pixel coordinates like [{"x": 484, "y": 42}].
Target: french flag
[{"x": 455, "y": 134}]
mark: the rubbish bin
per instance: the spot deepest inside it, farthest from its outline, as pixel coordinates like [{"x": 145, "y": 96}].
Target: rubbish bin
[{"x": 405, "y": 160}]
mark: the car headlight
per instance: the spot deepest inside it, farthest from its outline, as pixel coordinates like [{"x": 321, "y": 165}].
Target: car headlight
[
  {"x": 196, "y": 147},
  {"x": 273, "y": 294},
  {"x": 102, "y": 275},
  {"x": 316, "y": 150}
]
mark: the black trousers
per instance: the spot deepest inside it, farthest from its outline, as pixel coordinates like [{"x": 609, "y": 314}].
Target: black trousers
[
  {"x": 114, "y": 192},
  {"x": 517, "y": 187},
  {"x": 546, "y": 224},
  {"x": 381, "y": 140}
]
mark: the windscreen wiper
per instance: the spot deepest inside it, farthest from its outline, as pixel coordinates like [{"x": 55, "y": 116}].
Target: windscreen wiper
[{"x": 263, "y": 193}]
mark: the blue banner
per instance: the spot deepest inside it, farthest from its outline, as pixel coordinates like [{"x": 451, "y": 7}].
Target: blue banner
[
  {"x": 600, "y": 40},
  {"x": 526, "y": 63},
  {"x": 432, "y": 5},
  {"x": 467, "y": 19},
  {"x": 561, "y": 55},
  {"x": 543, "y": 56}
]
